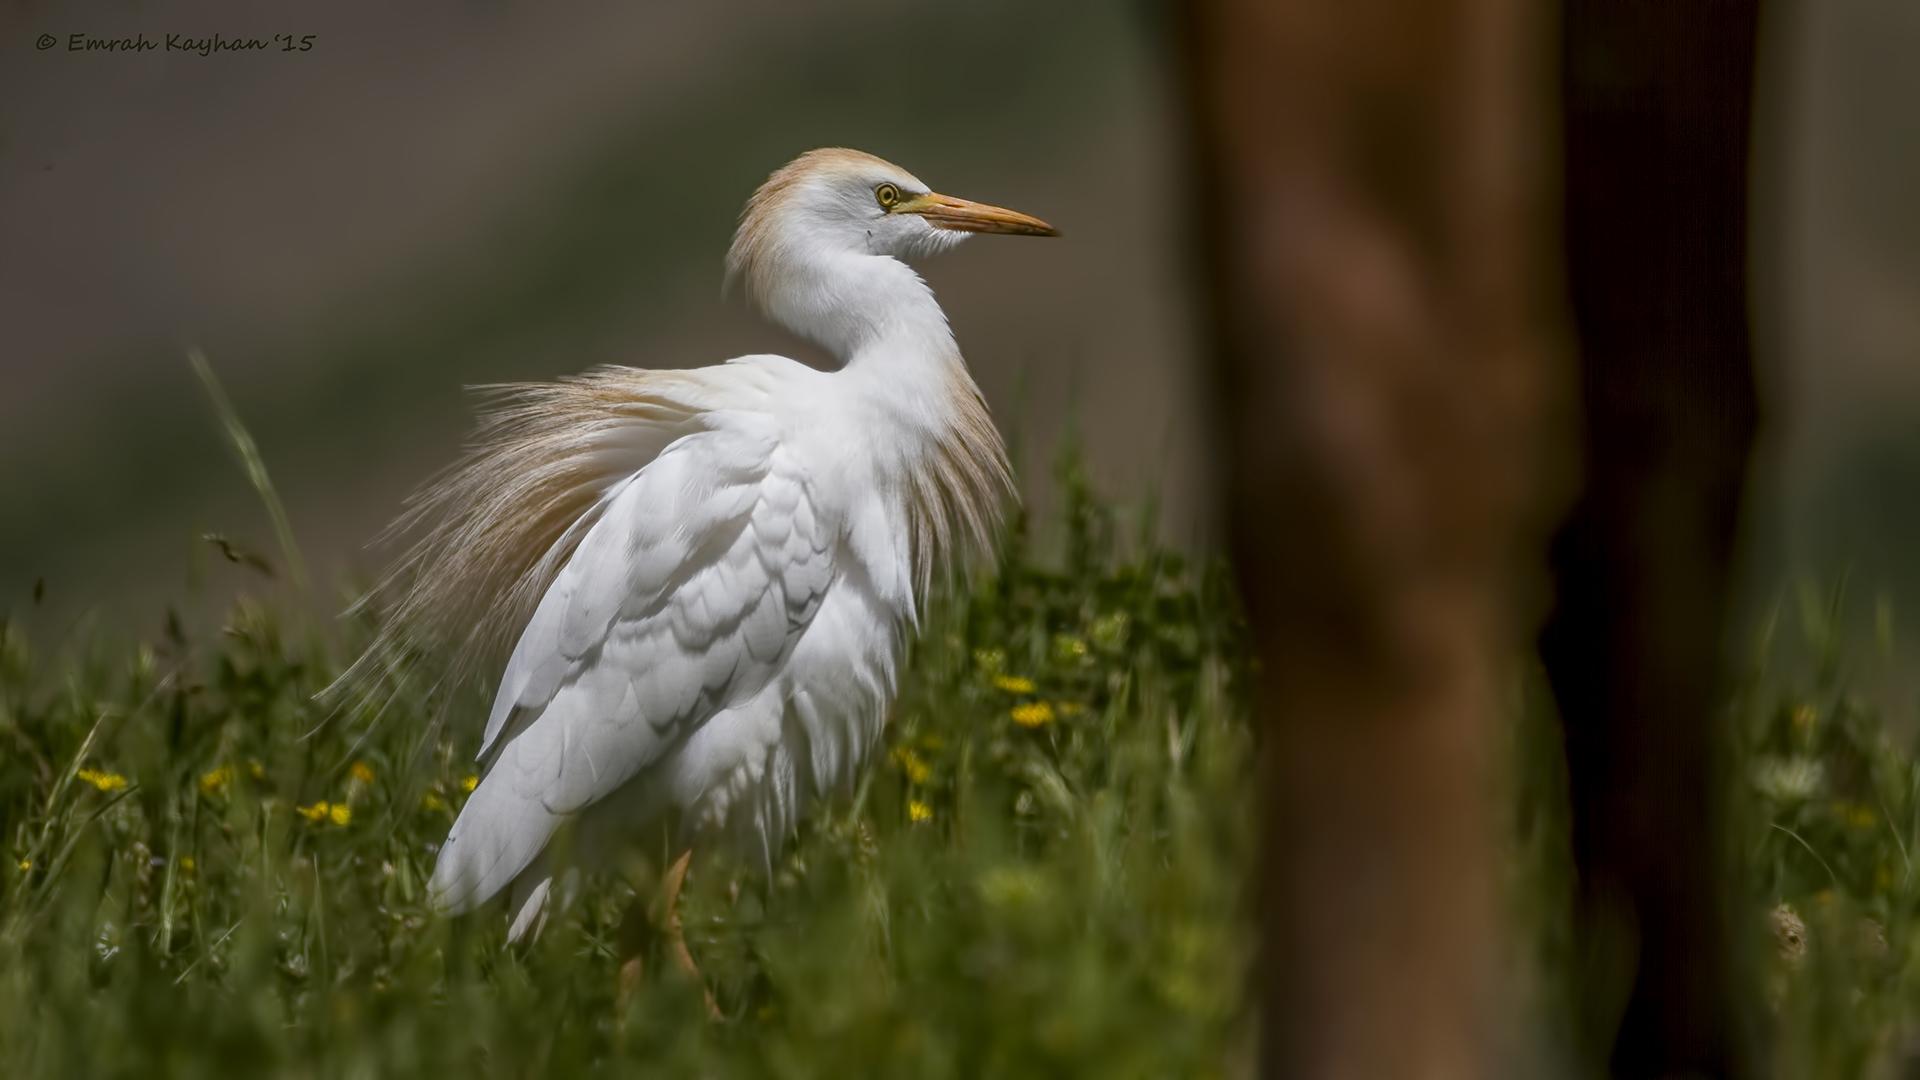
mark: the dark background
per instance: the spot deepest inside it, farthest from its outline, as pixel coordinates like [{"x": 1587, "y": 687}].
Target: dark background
[{"x": 456, "y": 193}]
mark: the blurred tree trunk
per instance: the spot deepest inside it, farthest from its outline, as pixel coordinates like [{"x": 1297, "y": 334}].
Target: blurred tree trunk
[
  {"x": 1658, "y": 99},
  {"x": 1381, "y": 278}
]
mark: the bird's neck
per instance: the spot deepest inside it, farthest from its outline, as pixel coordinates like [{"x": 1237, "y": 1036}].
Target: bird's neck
[
  {"x": 936, "y": 449},
  {"x": 866, "y": 310}
]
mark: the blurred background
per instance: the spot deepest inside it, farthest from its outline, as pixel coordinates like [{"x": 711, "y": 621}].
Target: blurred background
[
  {"x": 445, "y": 194},
  {"x": 453, "y": 193}
]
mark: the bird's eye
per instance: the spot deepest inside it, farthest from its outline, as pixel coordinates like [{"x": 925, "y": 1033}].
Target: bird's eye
[{"x": 888, "y": 195}]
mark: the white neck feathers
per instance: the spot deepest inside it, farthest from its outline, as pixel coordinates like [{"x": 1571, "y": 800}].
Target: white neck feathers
[{"x": 854, "y": 304}]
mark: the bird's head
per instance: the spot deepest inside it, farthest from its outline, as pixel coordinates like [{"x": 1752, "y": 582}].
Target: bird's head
[{"x": 834, "y": 202}]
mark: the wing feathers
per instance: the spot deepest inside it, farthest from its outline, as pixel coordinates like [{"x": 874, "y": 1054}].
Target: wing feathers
[
  {"x": 681, "y": 586},
  {"x": 683, "y": 599}
]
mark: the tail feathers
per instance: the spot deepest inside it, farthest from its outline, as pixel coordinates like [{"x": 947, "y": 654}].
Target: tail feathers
[
  {"x": 497, "y": 836},
  {"x": 529, "y": 907},
  {"x": 533, "y": 898}
]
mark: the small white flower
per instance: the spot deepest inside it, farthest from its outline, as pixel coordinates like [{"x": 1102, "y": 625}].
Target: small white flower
[{"x": 1794, "y": 779}]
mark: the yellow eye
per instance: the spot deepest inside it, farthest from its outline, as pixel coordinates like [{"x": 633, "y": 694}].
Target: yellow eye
[{"x": 888, "y": 195}]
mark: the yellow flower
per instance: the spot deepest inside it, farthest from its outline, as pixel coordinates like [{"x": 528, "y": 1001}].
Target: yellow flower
[
  {"x": 362, "y": 772},
  {"x": 105, "y": 781},
  {"x": 341, "y": 813},
  {"x": 316, "y": 812},
  {"x": 213, "y": 783},
  {"x": 990, "y": 660},
  {"x": 26, "y": 864},
  {"x": 430, "y": 801},
  {"x": 187, "y": 864},
  {"x": 1033, "y": 714},
  {"x": 1853, "y": 813},
  {"x": 918, "y": 811},
  {"x": 256, "y": 770},
  {"x": 917, "y": 771},
  {"x": 468, "y": 783},
  {"x": 1013, "y": 684},
  {"x": 1069, "y": 708}
]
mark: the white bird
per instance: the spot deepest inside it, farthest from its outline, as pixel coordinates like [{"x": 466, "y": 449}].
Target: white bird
[{"x": 711, "y": 572}]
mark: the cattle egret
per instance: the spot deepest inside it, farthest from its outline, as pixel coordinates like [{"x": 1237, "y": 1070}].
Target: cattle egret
[{"x": 711, "y": 572}]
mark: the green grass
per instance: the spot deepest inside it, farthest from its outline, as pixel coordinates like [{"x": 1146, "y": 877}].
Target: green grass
[
  {"x": 1825, "y": 897},
  {"x": 1829, "y": 825},
  {"x": 210, "y": 870},
  {"x": 1068, "y": 895}
]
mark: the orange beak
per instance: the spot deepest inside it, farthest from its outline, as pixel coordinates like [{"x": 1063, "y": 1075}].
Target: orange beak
[{"x": 947, "y": 212}]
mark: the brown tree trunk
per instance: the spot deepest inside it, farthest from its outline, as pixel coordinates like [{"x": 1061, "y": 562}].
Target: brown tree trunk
[
  {"x": 1658, "y": 97},
  {"x": 1370, "y": 195}
]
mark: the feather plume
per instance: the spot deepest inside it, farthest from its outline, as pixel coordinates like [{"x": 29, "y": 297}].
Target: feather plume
[
  {"x": 959, "y": 485},
  {"x": 489, "y": 534}
]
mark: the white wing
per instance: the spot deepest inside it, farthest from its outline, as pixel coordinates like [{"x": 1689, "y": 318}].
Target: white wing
[{"x": 684, "y": 598}]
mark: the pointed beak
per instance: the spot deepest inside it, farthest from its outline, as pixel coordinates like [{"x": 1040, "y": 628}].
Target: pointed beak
[{"x": 947, "y": 212}]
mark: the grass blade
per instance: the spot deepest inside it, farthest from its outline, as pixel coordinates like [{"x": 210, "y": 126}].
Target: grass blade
[{"x": 256, "y": 468}]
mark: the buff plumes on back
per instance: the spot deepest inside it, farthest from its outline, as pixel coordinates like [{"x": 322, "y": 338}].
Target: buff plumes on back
[{"x": 493, "y": 530}]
